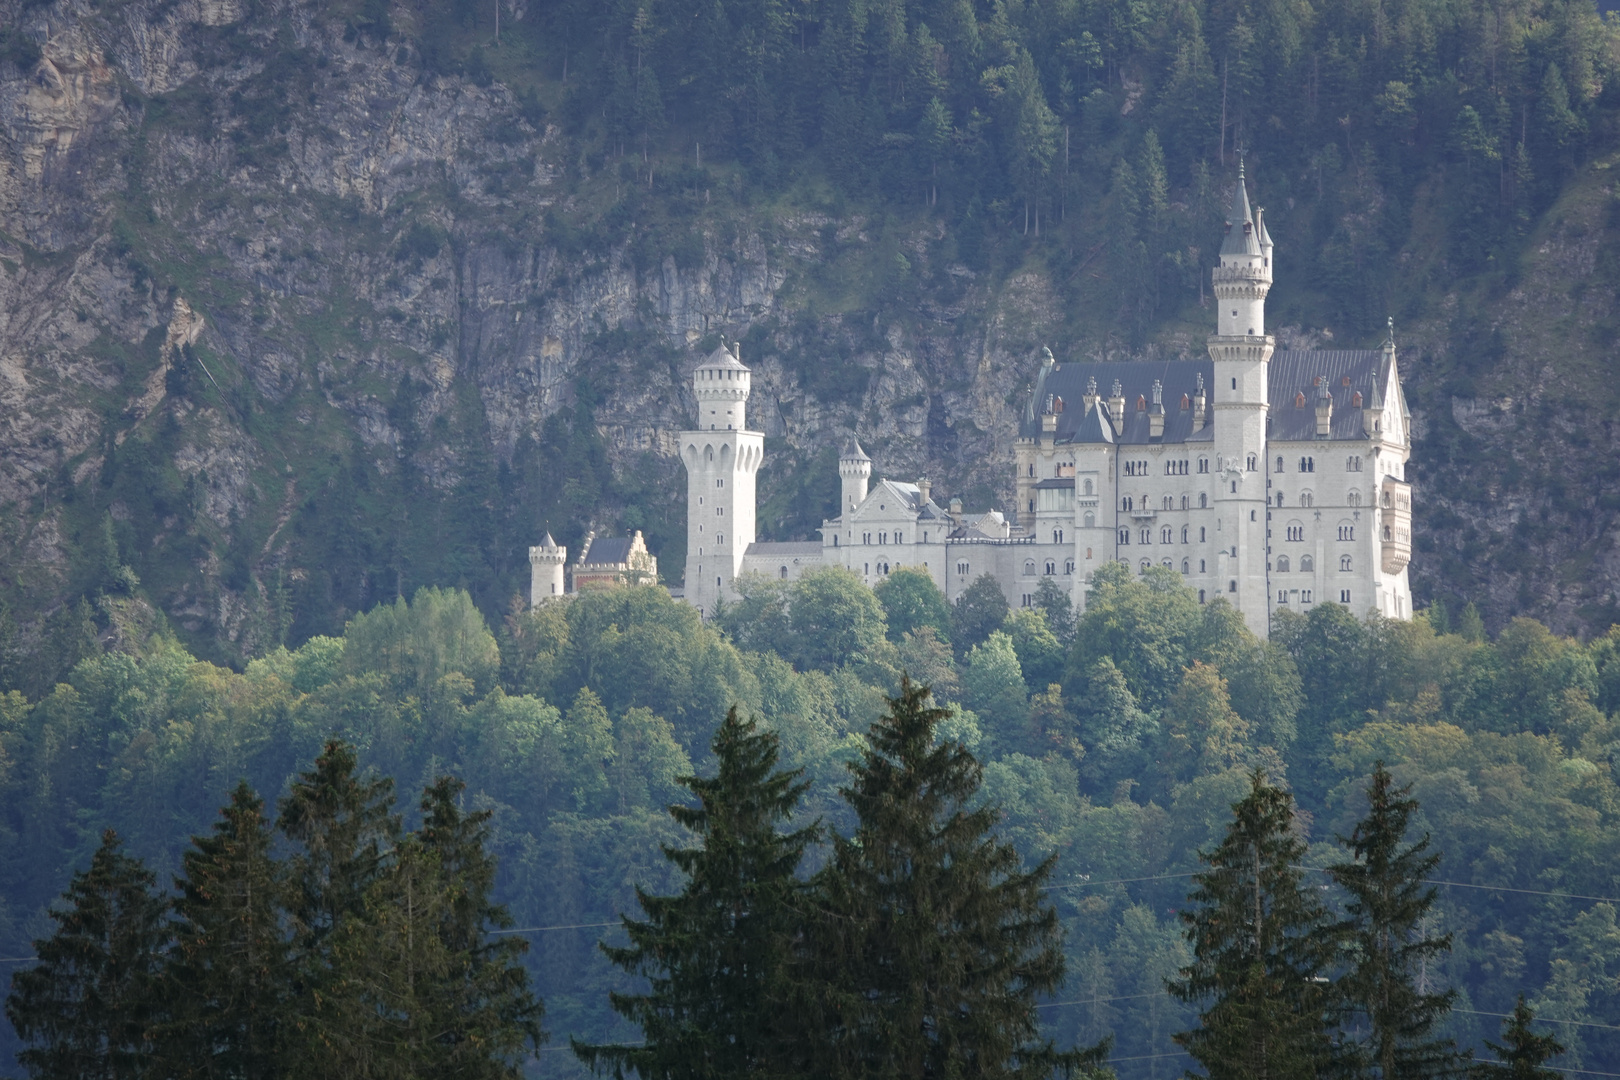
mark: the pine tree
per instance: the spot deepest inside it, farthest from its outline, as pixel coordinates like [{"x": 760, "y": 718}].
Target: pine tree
[
  {"x": 484, "y": 1010},
  {"x": 930, "y": 944},
  {"x": 716, "y": 954},
  {"x": 228, "y": 975},
  {"x": 1522, "y": 1051},
  {"x": 345, "y": 831},
  {"x": 1260, "y": 941},
  {"x": 1389, "y": 948},
  {"x": 88, "y": 1007}
]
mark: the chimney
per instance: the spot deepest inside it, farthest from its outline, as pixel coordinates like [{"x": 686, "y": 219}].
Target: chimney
[
  {"x": 1091, "y": 394},
  {"x": 1324, "y": 408},
  {"x": 1198, "y": 405},
  {"x": 1116, "y": 408},
  {"x": 1156, "y": 412},
  {"x": 924, "y": 486},
  {"x": 956, "y": 510}
]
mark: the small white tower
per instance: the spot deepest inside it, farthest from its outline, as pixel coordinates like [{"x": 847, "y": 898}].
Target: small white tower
[
  {"x": 546, "y": 563},
  {"x": 1241, "y": 351},
  {"x": 722, "y": 459},
  {"x": 855, "y": 468}
]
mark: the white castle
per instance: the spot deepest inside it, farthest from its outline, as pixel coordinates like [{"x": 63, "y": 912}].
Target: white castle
[{"x": 1273, "y": 479}]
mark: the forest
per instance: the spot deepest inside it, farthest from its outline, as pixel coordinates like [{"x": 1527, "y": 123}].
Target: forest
[{"x": 1116, "y": 743}]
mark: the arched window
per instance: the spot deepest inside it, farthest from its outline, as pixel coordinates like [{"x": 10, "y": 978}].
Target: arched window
[
  {"x": 1279, "y": 463},
  {"x": 1344, "y": 563},
  {"x": 1184, "y": 502},
  {"x": 1251, "y": 463},
  {"x": 1029, "y": 567},
  {"x": 1126, "y": 503},
  {"x": 1032, "y": 506},
  {"x": 1186, "y": 566},
  {"x": 1051, "y": 567},
  {"x": 1307, "y": 499},
  {"x": 1091, "y": 520},
  {"x": 1200, "y": 596},
  {"x": 719, "y": 538},
  {"x": 1032, "y": 468},
  {"x": 1203, "y": 464},
  {"x": 1296, "y": 531},
  {"x": 1200, "y": 534},
  {"x": 1282, "y": 564},
  {"x": 962, "y": 569},
  {"x": 1068, "y": 566},
  {"x": 1146, "y": 564},
  {"x": 1168, "y": 565},
  {"x": 1088, "y": 487},
  {"x": 1146, "y": 537},
  {"x": 1165, "y": 535},
  {"x": 1184, "y": 529},
  {"x": 1347, "y": 531},
  {"x": 1307, "y": 564},
  {"x": 1057, "y": 536},
  {"x": 1354, "y": 498},
  {"x": 1231, "y": 586},
  {"x": 1279, "y": 498},
  {"x": 783, "y": 573},
  {"x": 1234, "y": 487},
  {"x": 1124, "y": 536},
  {"x": 1168, "y": 503},
  {"x": 1201, "y": 570}
]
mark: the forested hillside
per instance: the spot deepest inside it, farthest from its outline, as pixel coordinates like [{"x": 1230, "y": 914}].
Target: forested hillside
[
  {"x": 303, "y": 307},
  {"x": 1118, "y": 742}
]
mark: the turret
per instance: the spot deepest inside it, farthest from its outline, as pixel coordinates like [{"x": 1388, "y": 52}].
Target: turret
[
  {"x": 721, "y": 385},
  {"x": 1324, "y": 407},
  {"x": 1243, "y": 277},
  {"x": 1116, "y": 408},
  {"x": 546, "y": 563},
  {"x": 1156, "y": 412},
  {"x": 855, "y": 469},
  {"x": 1199, "y": 403}
]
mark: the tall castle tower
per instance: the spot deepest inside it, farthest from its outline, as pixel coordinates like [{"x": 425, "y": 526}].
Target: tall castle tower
[
  {"x": 722, "y": 459},
  {"x": 1241, "y": 350},
  {"x": 854, "y": 470},
  {"x": 546, "y": 564}
]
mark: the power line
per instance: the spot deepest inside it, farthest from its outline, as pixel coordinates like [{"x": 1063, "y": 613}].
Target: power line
[
  {"x": 1554, "y": 1068},
  {"x": 1547, "y": 1019},
  {"x": 1098, "y": 1001},
  {"x": 1120, "y": 881},
  {"x": 570, "y": 926}
]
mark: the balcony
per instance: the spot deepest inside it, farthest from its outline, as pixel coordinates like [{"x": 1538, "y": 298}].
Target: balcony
[{"x": 1395, "y": 524}]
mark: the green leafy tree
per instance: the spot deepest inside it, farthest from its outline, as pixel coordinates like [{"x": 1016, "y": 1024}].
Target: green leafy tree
[
  {"x": 88, "y": 1006},
  {"x": 1260, "y": 945},
  {"x": 993, "y": 687},
  {"x": 931, "y": 944},
  {"x": 834, "y": 619},
  {"x": 1116, "y": 733},
  {"x": 1040, "y": 656},
  {"x": 1202, "y": 732},
  {"x": 1053, "y": 601},
  {"x": 977, "y": 613},
  {"x": 1389, "y": 946},
  {"x": 716, "y": 954},
  {"x": 228, "y": 976},
  {"x": 912, "y": 601},
  {"x": 1522, "y": 1051}
]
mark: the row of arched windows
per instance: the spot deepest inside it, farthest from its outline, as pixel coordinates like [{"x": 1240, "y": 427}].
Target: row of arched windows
[{"x": 1167, "y": 535}]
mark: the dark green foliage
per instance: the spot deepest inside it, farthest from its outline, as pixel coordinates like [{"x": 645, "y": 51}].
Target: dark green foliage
[
  {"x": 977, "y": 613},
  {"x": 1521, "y": 1054},
  {"x": 87, "y": 1008},
  {"x": 1261, "y": 949},
  {"x": 228, "y": 977},
  {"x": 717, "y": 954},
  {"x": 931, "y": 944},
  {"x": 1389, "y": 945},
  {"x": 911, "y": 601}
]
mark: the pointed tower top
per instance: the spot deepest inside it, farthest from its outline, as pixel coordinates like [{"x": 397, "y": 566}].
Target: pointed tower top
[
  {"x": 548, "y": 543},
  {"x": 1240, "y": 233},
  {"x": 1389, "y": 341},
  {"x": 853, "y": 451}
]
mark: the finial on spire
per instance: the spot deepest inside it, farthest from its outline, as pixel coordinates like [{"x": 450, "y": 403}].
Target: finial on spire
[
  {"x": 1119, "y": 391},
  {"x": 1091, "y": 385},
  {"x": 1158, "y": 392},
  {"x": 1390, "y": 340}
]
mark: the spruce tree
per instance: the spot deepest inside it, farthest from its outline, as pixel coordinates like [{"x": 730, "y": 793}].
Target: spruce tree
[
  {"x": 485, "y": 1011},
  {"x": 1522, "y": 1051},
  {"x": 716, "y": 954},
  {"x": 1389, "y": 949},
  {"x": 931, "y": 944},
  {"x": 88, "y": 1007},
  {"x": 1260, "y": 941},
  {"x": 228, "y": 975}
]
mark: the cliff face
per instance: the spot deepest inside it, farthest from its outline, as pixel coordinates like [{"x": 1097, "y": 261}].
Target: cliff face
[{"x": 290, "y": 323}]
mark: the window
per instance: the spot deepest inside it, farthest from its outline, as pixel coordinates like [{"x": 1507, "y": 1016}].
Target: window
[
  {"x": 719, "y": 511},
  {"x": 1203, "y": 500},
  {"x": 1353, "y": 464},
  {"x": 1032, "y": 468},
  {"x": 719, "y": 538},
  {"x": 1146, "y": 537},
  {"x": 1252, "y": 515},
  {"x": 1184, "y": 502},
  {"x": 1203, "y": 464},
  {"x": 1200, "y": 534},
  {"x": 1234, "y": 487},
  {"x": 1124, "y": 536},
  {"x": 1307, "y": 464},
  {"x": 1279, "y": 498},
  {"x": 899, "y": 538},
  {"x": 1057, "y": 536},
  {"x": 719, "y": 483},
  {"x": 925, "y": 536},
  {"x": 1068, "y": 566},
  {"x": 1234, "y": 381},
  {"x": 866, "y": 538},
  {"x": 1231, "y": 586},
  {"x": 1279, "y": 463},
  {"x": 1282, "y": 564},
  {"x": 783, "y": 573},
  {"x": 1165, "y": 535},
  {"x": 883, "y": 538},
  {"x": 962, "y": 569},
  {"x": 1147, "y": 564},
  {"x": 700, "y": 500},
  {"x": 1200, "y": 596},
  {"x": 1282, "y": 596},
  {"x": 1296, "y": 532},
  {"x": 1091, "y": 520},
  {"x": 1251, "y": 463},
  {"x": 1344, "y": 564},
  {"x": 1304, "y": 596},
  {"x": 1307, "y": 499},
  {"x": 1126, "y": 503},
  {"x": 1051, "y": 566},
  {"x": 1201, "y": 570},
  {"x": 717, "y": 583},
  {"x": 1167, "y": 503},
  {"x": 1347, "y": 532},
  {"x": 1088, "y": 487},
  {"x": 1307, "y": 564},
  {"x": 1354, "y": 498},
  {"x": 1184, "y": 529},
  {"x": 866, "y": 568},
  {"x": 1168, "y": 565},
  {"x": 1186, "y": 566},
  {"x": 1029, "y": 567},
  {"x": 1344, "y": 596}
]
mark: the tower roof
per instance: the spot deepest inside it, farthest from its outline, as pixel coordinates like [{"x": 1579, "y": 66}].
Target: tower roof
[
  {"x": 853, "y": 451},
  {"x": 722, "y": 358},
  {"x": 548, "y": 543},
  {"x": 1260, "y": 227},
  {"x": 1240, "y": 232}
]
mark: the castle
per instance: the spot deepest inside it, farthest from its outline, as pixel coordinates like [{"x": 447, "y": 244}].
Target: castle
[{"x": 1273, "y": 479}]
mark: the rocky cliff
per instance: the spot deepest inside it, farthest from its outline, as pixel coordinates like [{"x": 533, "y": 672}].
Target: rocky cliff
[{"x": 291, "y": 322}]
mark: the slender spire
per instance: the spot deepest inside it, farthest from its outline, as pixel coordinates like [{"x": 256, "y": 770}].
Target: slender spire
[{"x": 1240, "y": 233}]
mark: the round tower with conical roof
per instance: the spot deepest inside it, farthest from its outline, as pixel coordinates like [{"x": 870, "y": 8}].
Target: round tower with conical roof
[
  {"x": 722, "y": 459},
  {"x": 546, "y": 568},
  {"x": 1241, "y": 351},
  {"x": 855, "y": 470}
]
